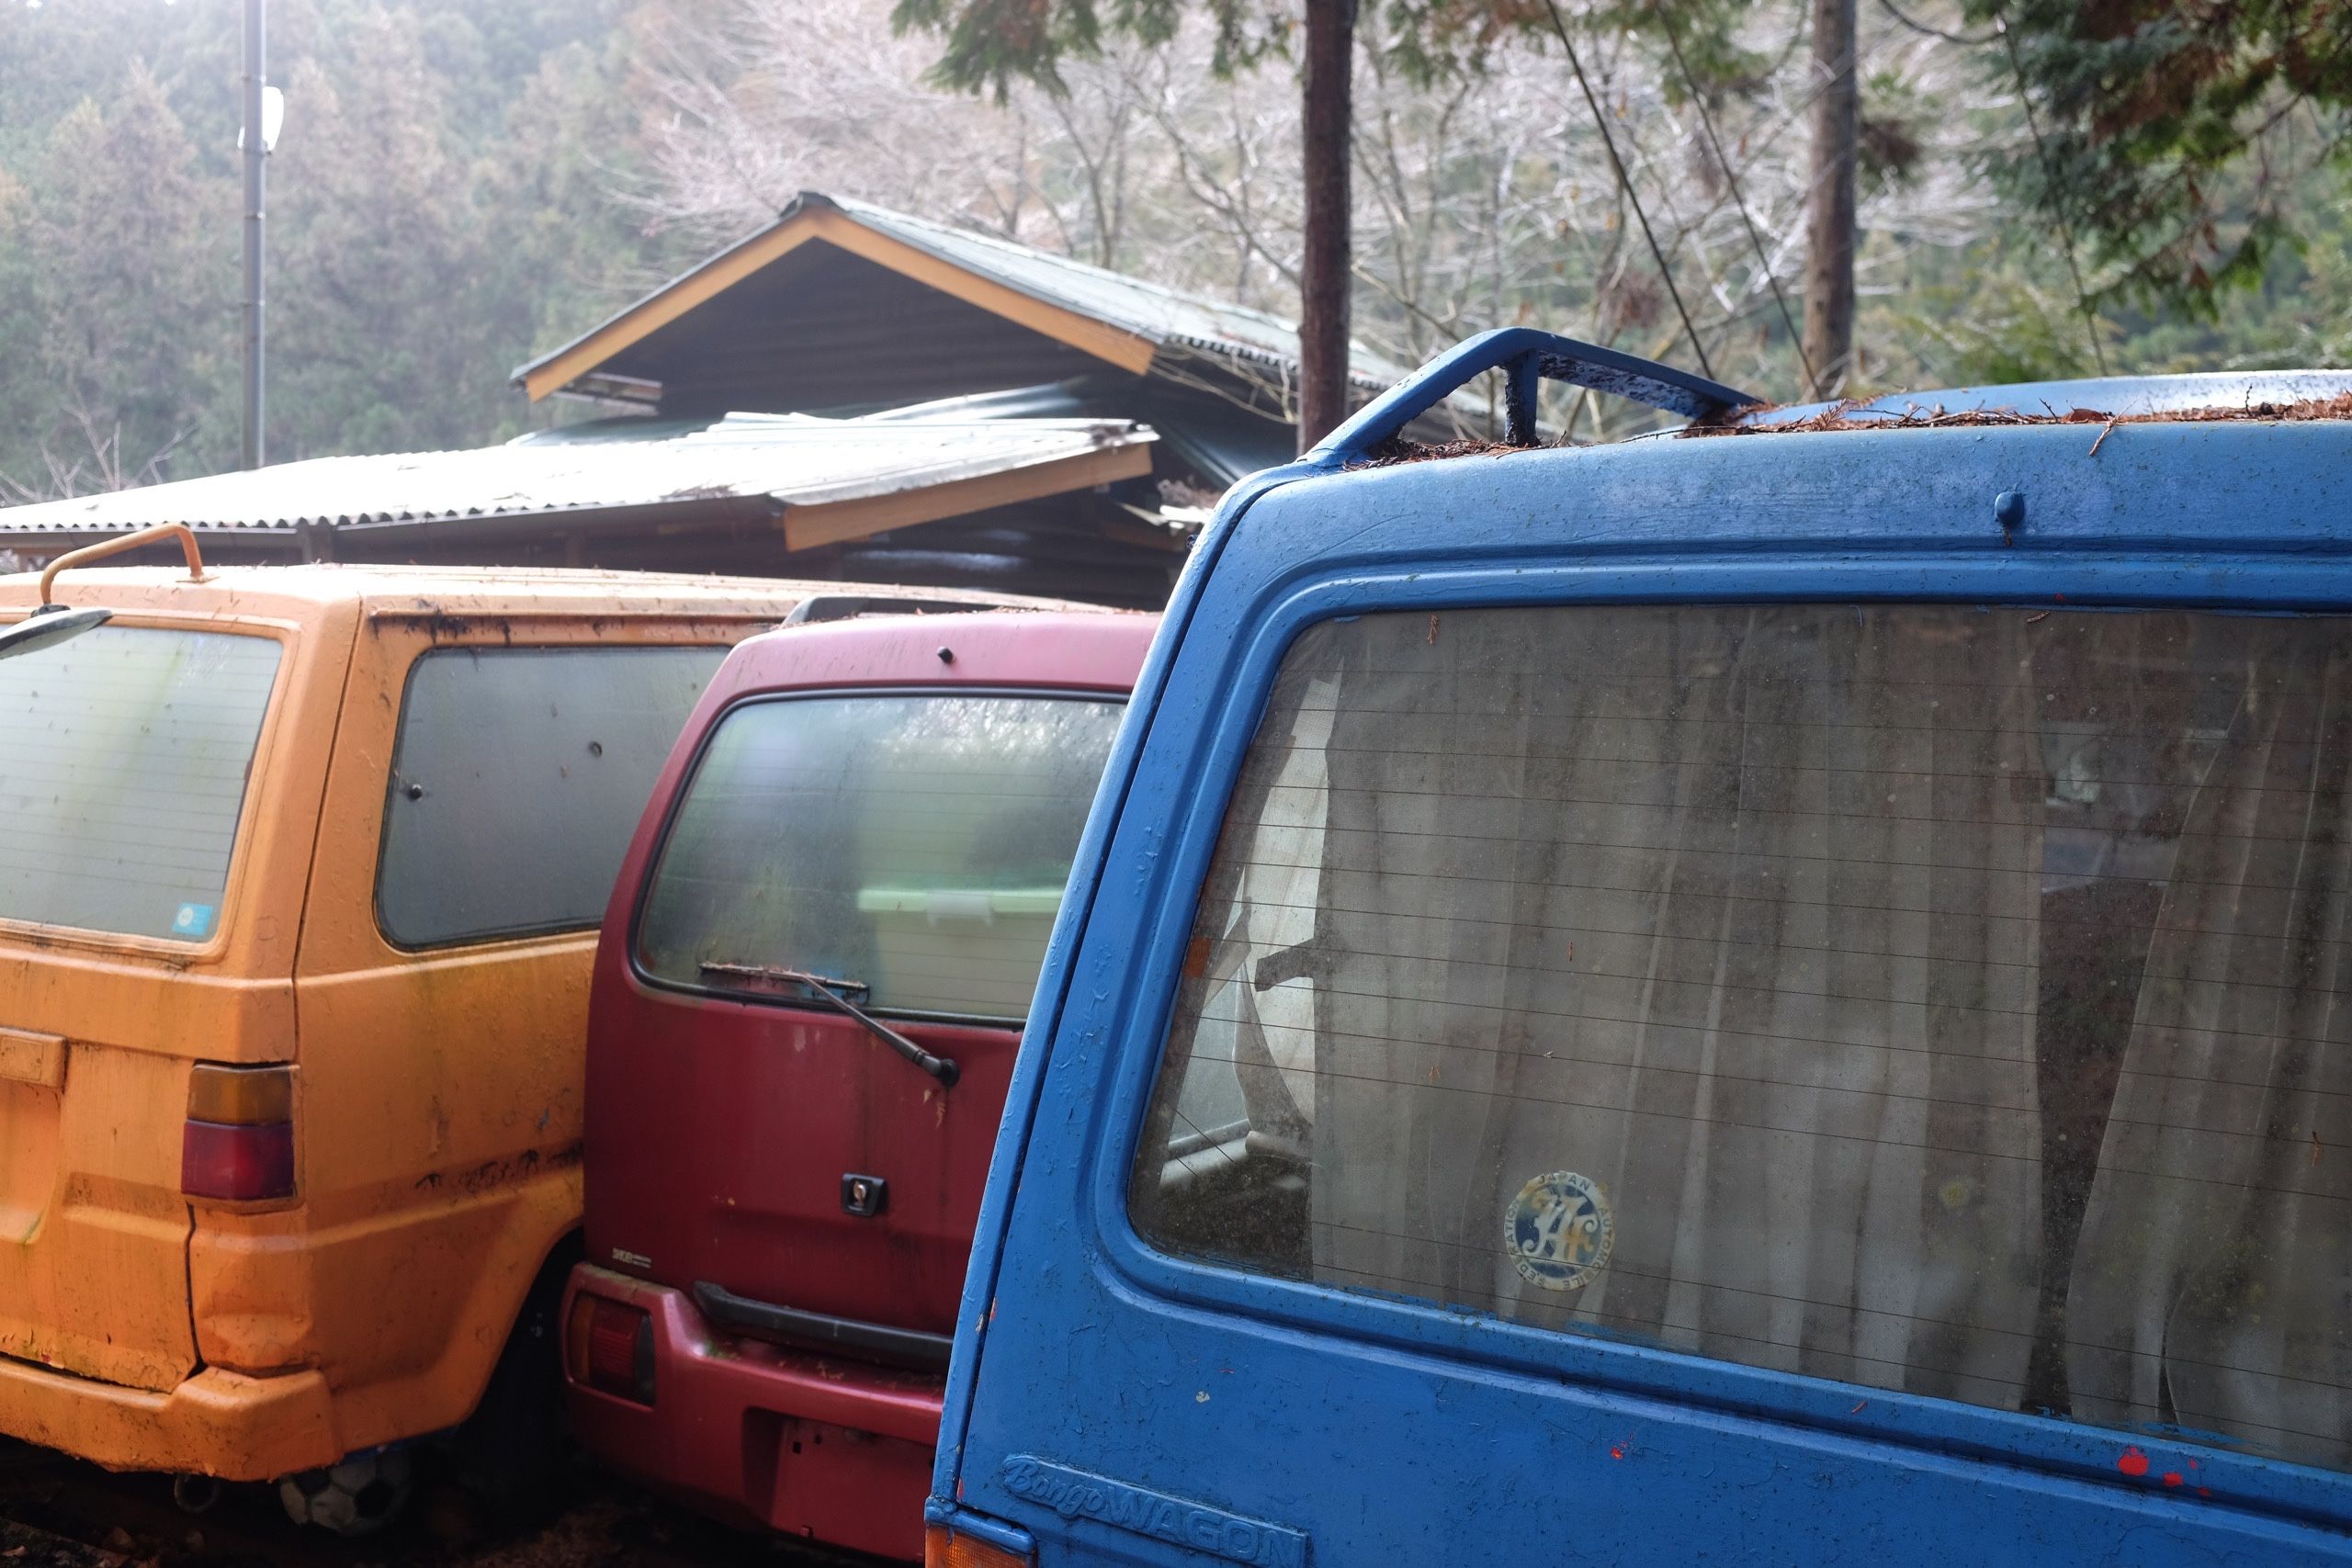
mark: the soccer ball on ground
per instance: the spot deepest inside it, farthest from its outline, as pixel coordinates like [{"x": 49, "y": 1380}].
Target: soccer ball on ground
[{"x": 359, "y": 1496}]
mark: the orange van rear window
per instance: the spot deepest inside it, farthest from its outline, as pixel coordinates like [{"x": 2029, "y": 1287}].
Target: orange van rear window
[{"x": 124, "y": 755}]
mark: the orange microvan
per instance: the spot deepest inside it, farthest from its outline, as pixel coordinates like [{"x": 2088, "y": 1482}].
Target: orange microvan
[{"x": 301, "y": 869}]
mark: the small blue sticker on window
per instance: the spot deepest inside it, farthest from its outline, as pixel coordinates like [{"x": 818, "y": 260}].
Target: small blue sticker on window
[
  {"x": 193, "y": 919},
  {"x": 1559, "y": 1230}
]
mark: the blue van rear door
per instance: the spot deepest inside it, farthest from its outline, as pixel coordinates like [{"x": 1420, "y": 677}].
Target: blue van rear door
[{"x": 1664, "y": 1035}]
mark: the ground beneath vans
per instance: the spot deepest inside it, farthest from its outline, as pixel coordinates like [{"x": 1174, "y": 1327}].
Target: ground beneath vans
[{"x": 56, "y": 1512}]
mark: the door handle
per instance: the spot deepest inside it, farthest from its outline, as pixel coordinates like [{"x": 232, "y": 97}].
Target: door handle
[{"x": 36, "y": 1059}]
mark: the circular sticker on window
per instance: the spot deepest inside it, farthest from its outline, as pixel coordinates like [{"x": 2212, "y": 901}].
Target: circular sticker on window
[{"x": 1560, "y": 1231}]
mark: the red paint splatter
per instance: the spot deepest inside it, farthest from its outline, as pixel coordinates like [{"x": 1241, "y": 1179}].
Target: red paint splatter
[
  {"x": 1616, "y": 1450},
  {"x": 2060, "y": 597},
  {"x": 2204, "y": 1491},
  {"x": 2192, "y": 1464},
  {"x": 2172, "y": 1478},
  {"x": 2133, "y": 1462}
]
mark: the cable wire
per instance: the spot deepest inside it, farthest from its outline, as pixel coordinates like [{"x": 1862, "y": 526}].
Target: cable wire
[
  {"x": 1625, "y": 183},
  {"x": 1788, "y": 319},
  {"x": 2042, "y": 152},
  {"x": 1919, "y": 27}
]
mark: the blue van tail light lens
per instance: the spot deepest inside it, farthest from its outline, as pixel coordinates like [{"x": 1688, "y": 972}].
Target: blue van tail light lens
[
  {"x": 238, "y": 1144},
  {"x": 237, "y": 1163},
  {"x": 942, "y": 1547},
  {"x": 609, "y": 1346}
]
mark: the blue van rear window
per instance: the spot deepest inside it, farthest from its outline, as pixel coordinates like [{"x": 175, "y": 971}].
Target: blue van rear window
[{"x": 1937, "y": 998}]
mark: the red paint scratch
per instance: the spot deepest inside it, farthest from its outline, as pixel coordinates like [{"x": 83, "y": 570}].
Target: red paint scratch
[
  {"x": 1858, "y": 1406},
  {"x": 2133, "y": 1462}
]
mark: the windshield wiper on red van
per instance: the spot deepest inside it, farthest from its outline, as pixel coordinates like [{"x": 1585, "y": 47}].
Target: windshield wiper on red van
[{"x": 830, "y": 991}]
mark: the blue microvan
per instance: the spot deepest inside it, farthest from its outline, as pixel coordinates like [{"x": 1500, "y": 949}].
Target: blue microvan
[{"x": 1779, "y": 991}]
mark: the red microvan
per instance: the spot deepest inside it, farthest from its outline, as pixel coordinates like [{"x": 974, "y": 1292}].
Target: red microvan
[{"x": 810, "y": 986}]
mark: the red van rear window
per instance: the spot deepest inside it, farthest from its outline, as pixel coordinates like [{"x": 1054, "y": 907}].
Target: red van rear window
[{"x": 910, "y": 848}]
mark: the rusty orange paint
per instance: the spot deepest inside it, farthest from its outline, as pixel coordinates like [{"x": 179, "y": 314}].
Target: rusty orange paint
[{"x": 436, "y": 1095}]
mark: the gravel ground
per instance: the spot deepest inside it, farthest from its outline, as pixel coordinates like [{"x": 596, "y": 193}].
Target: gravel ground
[{"x": 59, "y": 1512}]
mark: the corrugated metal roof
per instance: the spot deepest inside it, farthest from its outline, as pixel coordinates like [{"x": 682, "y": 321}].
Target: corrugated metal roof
[
  {"x": 1148, "y": 309},
  {"x": 778, "y": 460},
  {"x": 1192, "y": 324}
]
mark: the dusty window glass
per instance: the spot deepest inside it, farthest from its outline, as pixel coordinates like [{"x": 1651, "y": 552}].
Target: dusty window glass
[
  {"x": 911, "y": 845},
  {"x": 518, "y": 776},
  {"x": 1943, "y": 999},
  {"x": 124, "y": 753}
]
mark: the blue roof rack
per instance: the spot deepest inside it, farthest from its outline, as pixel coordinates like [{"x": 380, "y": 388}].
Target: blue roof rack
[{"x": 1529, "y": 357}]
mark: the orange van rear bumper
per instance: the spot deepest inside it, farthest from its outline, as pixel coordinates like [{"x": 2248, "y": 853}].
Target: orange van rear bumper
[{"x": 217, "y": 1423}]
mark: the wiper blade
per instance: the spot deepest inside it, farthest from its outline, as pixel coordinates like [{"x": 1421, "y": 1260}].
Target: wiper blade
[
  {"x": 775, "y": 974},
  {"x": 831, "y": 992}
]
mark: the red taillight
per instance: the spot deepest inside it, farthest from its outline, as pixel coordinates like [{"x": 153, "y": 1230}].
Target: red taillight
[
  {"x": 238, "y": 1163},
  {"x": 238, "y": 1143},
  {"x": 609, "y": 1346}
]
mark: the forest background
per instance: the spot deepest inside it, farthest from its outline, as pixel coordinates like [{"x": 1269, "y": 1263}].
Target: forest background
[{"x": 462, "y": 184}]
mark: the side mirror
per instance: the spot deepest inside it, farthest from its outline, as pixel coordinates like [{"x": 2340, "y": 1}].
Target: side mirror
[{"x": 47, "y": 623}]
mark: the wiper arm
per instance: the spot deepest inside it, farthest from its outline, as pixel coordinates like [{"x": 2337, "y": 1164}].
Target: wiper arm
[{"x": 944, "y": 1068}]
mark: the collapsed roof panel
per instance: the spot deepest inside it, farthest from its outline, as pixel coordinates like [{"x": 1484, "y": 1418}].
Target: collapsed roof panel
[{"x": 822, "y": 480}]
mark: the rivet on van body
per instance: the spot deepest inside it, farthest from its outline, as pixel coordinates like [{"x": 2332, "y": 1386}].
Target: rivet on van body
[
  {"x": 2009, "y": 510},
  {"x": 947, "y": 656}
]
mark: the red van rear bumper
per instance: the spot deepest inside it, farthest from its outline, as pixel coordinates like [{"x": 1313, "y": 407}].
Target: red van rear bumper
[{"x": 761, "y": 1436}]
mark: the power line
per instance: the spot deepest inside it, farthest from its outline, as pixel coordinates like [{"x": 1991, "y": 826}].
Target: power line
[
  {"x": 2042, "y": 151},
  {"x": 1919, "y": 27},
  {"x": 1788, "y": 319},
  {"x": 1625, "y": 183}
]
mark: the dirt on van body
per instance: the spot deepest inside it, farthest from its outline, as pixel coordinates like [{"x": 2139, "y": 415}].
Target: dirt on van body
[
  {"x": 1853, "y": 414},
  {"x": 1850, "y": 415}
]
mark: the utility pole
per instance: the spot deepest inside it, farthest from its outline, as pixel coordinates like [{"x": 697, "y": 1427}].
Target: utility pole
[
  {"x": 256, "y": 148},
  {"x": 1325, "y": 265},
  {"x": 1829, "y": 226}
]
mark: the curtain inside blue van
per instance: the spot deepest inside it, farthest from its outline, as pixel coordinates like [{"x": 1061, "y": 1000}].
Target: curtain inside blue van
[{"x": 1930, "y": 999}]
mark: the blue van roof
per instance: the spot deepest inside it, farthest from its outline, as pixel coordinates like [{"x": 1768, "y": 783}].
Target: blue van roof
[
  {"x": 2124, "y": 396},
  {"x": 2114, "y": 463}
]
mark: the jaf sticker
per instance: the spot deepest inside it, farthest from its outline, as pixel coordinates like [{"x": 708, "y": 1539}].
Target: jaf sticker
[
  {"x": 1560, "y": 1231},
  {"x": 193, "y": 919}
]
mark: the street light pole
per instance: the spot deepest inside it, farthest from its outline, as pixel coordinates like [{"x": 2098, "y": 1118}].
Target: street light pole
[{"x": 256, "y": 148}]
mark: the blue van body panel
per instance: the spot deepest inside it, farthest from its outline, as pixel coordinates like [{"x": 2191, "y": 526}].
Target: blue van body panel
[
  {"x": 1021, "y": 1098},
  {"x": 1114, "y": 1404}
]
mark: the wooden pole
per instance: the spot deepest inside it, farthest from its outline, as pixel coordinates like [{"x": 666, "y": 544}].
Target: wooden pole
[
  {"x": 1327, "y": 82},
  {"x": 1829, "y": 229}
]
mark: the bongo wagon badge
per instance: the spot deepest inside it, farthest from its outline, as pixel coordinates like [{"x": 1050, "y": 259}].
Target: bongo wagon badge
[{"x": 1560, "y": 1231}]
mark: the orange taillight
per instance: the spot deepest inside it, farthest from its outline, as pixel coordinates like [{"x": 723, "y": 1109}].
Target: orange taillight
[
  {"x": 942, "y": 1547},
  {"x": 240, "y": 1097}
]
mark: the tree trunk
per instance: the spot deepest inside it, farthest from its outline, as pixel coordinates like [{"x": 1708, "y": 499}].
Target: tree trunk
[
  {"x": 1829, "y": 230},
  {"x": 1324, "y": 269}
]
